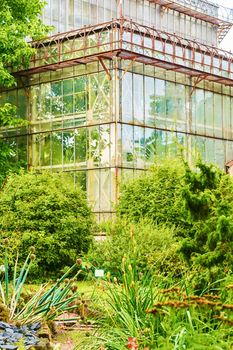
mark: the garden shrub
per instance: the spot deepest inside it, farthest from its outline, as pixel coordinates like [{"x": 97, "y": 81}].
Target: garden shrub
[
  {"x": 150, "y": 247},
  {"x": 198, "y": 202},
  {"x": 45, "y": 211},
  {"x": 156, "y": 195}
]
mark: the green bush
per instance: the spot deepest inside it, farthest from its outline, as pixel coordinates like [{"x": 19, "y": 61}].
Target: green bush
[
  {"x": 198, "y": 202},
  {"x": 156, "y": 195},
  {"x": 151, "y": 247},
  {"x": 45, "y": 211}
]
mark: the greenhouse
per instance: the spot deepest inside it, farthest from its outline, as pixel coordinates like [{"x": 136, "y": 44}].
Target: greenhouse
[{"x": 117, "y": 89}]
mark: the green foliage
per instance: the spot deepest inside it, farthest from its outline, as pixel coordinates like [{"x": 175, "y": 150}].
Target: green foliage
[
  {"x": 143, "y": 308},
  {"x": 19, "y": 21},
  {"x": 198, "y": 202},
  {"x": 152, "y": 246},
  {"x": 46, "y": 304},
  {"x": 208, "y": 195},
  {"x": 157, "y": 195},
  {"x": 124, "y": 311},
  {"x": 45, "y": 211}
]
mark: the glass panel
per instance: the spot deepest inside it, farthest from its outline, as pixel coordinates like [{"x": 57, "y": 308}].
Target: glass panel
[
  {"x": 22, "y": 151},
  {"x": 227, "y": 131},
  {"x": 127, "y": 145},
  {"x": 159, "y": 105},
  {"x": 198, "y": 111},
  {"x": 127, "y": 98},
  {"x": 220, "y": 153},
  {"x": 68, "y": 148},
  {"x": 80, "y": 178},
  {"x": 138, "y": 98},
  {"x": 22, "y": 104},
  {"x": 139, "y": 147},
  {"x": 94, "y": 146},
  {"x": 218, "y": 123},
  {"x": 150, "y": 144},
  {"x": 171, "y": 150},
  {"x": 81, "y": 147},
  {"x": 105, "y": 190},
  {"x": 68, "y": 86},
  {"x": 45, "y": 149},
  {"x": 209, "y": 112},
  {"x": 68, "y": 104},
  {"x": 56, "y": 143},
  {"x": 105, "y": 145},
  {"x": 198, "y": 147},
  {"x": 161, "y": 143},
  {"x": 149, "y": 101},
  {"x": 93, "y": 189},
  {"x": 210, "y": 150}
]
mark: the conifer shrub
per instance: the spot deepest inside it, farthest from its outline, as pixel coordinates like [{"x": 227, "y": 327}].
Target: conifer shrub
[{"x": 47, "y": 212}]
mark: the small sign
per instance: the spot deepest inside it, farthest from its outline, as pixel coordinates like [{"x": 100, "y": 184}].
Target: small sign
[{"x": 99, "y": 273}]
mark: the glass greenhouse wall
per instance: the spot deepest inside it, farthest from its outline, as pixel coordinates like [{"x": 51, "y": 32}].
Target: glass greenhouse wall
[
  {"x": 103, "y": 104},
  {"x": 66, "y": 15}
]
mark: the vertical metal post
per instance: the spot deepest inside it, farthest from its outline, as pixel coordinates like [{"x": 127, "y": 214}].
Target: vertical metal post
[{"x": 120, "y": 8}]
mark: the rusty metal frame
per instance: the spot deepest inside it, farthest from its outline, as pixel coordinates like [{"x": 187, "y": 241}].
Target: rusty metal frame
[
  {"x": 197, "y": 81},
  {"x": 105, "y": 68},
  {"x": 129, "y": 40},
  {"x": 187, "y": 7},
  {"x": 223, "y": 19}
]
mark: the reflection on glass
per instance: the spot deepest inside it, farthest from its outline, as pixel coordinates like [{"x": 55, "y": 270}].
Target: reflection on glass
[
  {"x": 161, "y": 143},
  {"x": 56, "y": 143},
  {"x": 81, "y": 146},
  {"x": 150, "y": 146},
  {"x": 94, "y": 145},
  {"x": 139, "y": 147},
  {"x": 45, "y": 150},
  {"x": 68, "y": 147},
  {"x": 104, "y": 145},
  {"x": 127, "y": 145}
]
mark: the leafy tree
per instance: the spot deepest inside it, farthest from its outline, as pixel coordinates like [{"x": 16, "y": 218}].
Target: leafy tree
[
  {"x": 45, "y": 211},
  {"x": 19, "y": 21}
]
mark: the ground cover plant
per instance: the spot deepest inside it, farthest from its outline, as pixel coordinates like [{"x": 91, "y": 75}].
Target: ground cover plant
[{"x": 45, "y": 211}]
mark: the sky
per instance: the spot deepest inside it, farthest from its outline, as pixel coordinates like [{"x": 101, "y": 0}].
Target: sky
[{"x": 227, "y": 43}]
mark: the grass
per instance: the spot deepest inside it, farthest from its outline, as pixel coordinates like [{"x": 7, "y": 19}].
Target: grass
[{"x": 76, "y": 337}]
